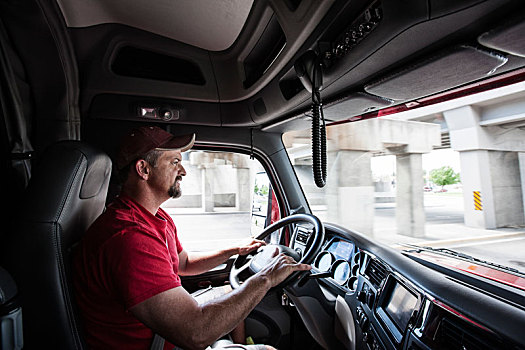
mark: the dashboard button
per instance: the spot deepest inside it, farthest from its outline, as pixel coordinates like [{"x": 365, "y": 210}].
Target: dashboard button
[{"x": 370, "y": 299}]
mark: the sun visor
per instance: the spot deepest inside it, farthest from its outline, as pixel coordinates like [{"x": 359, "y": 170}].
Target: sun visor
[
  {"x": 509, "y": 38},
  {"x": 446, "y": 70},
  {"x": 355, "y": 104}
]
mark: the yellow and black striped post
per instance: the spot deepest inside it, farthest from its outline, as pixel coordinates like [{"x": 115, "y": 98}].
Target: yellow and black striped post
[{"x": 478, "y": 205}]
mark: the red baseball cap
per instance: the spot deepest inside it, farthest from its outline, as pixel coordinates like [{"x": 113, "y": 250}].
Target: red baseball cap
[{"x": 141, "y": 140}]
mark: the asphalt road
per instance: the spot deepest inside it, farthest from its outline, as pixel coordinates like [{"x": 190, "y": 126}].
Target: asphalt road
[
  {"x": 201, "y": 232},
  {"x": 439, "y": 209}
]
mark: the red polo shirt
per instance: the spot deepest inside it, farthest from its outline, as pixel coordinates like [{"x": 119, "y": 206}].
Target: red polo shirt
[{"x": 127, "y": 256}]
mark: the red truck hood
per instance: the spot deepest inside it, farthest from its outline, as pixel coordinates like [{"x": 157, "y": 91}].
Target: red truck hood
[{"x": 474, "y": 268}]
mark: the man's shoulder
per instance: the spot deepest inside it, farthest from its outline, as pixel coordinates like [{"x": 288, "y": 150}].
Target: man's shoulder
[
  {"x": 116, "y": 214},
  {"x": 116, "y": 220}
]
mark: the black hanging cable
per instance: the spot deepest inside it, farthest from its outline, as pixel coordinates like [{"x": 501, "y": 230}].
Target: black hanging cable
[
  {"x": 318, "y": 130},
  {"x": 251, "y": 144}
]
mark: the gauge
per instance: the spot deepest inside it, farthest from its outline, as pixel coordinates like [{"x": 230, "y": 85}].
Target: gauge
[
  {"x": 352, "y": 283},
  {"x": 341, "y": 271},
  {"x": 355, "y": 270},
  {"x": 357, "y": 258},
  {"x": 324, "y": 261}
]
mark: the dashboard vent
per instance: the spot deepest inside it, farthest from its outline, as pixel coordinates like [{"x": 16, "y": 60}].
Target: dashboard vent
[
  {"x": 376, "y": 272},
  {"x": 454, "y": 335}
]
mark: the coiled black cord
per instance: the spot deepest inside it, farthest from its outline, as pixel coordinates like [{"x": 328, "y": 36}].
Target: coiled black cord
[{"x": 318, "y": 136}]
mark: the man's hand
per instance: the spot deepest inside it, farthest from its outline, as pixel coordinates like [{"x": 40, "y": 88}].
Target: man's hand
[
  {"x": 250, "y": 246},
  {"x": 281, "y": 267}
]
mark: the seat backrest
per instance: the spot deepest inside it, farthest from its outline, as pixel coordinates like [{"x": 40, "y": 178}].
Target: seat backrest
[{"x": 67, "y": 192}]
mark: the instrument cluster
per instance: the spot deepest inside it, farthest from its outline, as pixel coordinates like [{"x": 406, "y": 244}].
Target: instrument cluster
[{"x": 340, "y": 262}]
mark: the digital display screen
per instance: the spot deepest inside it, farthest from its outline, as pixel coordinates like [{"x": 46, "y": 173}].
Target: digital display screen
[
  {"x": 399, "y": 306},
  {"x": 341, "y": 249}
]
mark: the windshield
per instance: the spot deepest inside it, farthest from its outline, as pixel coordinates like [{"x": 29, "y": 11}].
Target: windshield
[{"x": 448, "y": 176}]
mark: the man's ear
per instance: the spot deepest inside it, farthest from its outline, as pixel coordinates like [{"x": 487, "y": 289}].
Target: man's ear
[{"x": 142, "y": 169}]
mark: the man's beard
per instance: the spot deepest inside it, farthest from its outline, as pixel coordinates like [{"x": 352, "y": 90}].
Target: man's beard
[{"x": 174, "y": 191}]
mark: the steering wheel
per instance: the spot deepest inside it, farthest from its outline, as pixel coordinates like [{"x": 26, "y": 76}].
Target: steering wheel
[{"x": 243, "y": 266}]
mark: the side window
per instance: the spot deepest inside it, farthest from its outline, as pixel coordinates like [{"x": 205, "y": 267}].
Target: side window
[
  {"x": 265, "y": 209},
  {"x": 226, "y": 198}
]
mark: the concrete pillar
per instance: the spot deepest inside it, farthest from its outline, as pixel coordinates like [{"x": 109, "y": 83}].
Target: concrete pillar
[
  {"x": 410, "y": 212},
  {"x": 354, "y": 191},
  {"x": 350, "y": 191},
  {"x": 521, "y": 162},
  {"x": 208, "y": 203},
  {"x": 350, "y": 185},
  {"x": 490, "y": 170},
  {"x": 505, "y": 172},
  {"x": 243, "y": 196},
  {"x": 477, "y": 181},
  {"x": 493, "y": 177}
]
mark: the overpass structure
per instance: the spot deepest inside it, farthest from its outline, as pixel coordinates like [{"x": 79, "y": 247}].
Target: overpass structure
[{"x": 488, "y": 131}]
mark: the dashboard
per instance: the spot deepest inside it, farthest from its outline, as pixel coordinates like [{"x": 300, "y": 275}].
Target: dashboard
[{"x": 382, "y": 298}]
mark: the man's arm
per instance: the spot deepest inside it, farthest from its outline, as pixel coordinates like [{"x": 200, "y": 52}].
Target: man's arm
[
  {"x": 192, "y": 263},
  {"x": 176, "y": 316}
]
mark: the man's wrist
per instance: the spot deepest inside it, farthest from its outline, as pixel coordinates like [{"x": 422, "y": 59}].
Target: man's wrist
[
  {"x": 229, "y": 252},
  {"x": 263, "y": 280}
]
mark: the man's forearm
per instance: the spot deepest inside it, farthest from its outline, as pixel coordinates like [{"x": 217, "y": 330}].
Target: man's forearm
[
  {"x": 221, "y": 315},
  {"x": 197, "y": 263},
  {"x": 175, "y": 315}
]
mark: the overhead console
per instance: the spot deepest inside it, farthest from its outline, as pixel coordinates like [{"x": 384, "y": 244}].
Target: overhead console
[
  {"x": 376, "y": 54},
  {"x": 386, "y": 53},
  {"x": 412, "y": 46},
  {"x": 354, "y": 33}
]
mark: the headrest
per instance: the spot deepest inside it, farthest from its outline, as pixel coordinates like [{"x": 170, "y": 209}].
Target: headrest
[{"x": 65, "y": 172}]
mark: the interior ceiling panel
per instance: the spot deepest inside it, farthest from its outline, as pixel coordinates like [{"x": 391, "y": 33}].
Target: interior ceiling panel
[
  {"x": 210, "y": 25},
  {"x": 388, "y": 62}
]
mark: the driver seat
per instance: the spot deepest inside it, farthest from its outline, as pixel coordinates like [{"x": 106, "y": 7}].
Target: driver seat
[{"x": 65, "y": 195}]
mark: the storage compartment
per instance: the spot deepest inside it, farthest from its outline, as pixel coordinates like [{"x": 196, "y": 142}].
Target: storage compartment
[
  {"x": 269, "y": 46},
  {"x": 355, "y": 104},
  {"x": 438, "y": 73},
  {"x": 509, "y": 38},
  {"x": 139, "y": 63}
]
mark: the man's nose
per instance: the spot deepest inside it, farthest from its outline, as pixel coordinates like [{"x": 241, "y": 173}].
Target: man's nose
[{"x": 182, "y": 171}]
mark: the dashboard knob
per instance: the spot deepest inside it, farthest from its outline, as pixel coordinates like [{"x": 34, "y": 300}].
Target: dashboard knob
[
  {"x": 370, "y": 299},
  {"x": 365, "y": 336},
  {"x": 361, "y": 296}
]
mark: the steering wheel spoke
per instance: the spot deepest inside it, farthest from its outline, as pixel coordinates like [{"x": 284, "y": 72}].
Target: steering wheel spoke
[{"x": 243, "y": 265}]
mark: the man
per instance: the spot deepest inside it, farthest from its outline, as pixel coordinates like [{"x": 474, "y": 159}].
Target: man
[{"x": 128, "y": 265}]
